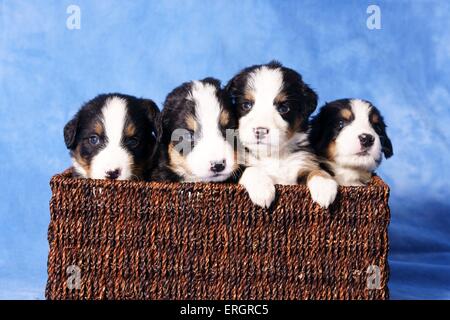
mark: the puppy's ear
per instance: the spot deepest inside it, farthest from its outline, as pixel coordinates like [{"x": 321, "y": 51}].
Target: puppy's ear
[
  {"x": 215, "y": 82},
  {"x": 232, "y": 86},
  {"x": 159, "y": 127},
  {"x": 386, "y": 144},
  {"x": 229, "y": 87},
  {"x": 70, "y": 132},
  {"x": 151, "y": 107},
  {"x": 310, "y": 98},
  {"x": 321, "y": 133},
  {"x": 154, "y": 117}
]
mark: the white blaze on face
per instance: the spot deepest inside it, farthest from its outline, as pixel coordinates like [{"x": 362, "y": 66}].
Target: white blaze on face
[
  {"x": 113, "y": 156},
  {"x": 210, "y": 146},
  {"x": 264, "y": 84},
  {"x": 348, "y": 144}
]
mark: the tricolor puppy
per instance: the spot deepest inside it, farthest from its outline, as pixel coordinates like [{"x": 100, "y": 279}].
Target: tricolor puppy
[
  {"x": 113, "y": 136},
  {"x": 195, "y": 119},
  {"x": 350, "y": 134},
  {"x": 273, "y": 105}
]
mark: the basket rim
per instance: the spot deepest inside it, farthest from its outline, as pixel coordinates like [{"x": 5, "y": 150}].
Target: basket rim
[{"x": 65, "y": 178}]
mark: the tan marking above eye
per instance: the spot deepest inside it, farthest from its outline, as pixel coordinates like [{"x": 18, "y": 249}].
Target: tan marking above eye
[
  {"x": 191, "y": 123},
  {"x": 346, "y": 114},
  {"x": 98, "y": 128},
  {"x": 248, "y": 96},
  {"x": 374, "y": 118},
  {"x": 130, "y": 130},
  {"x": 224, "y": 118},
  {"x": 280, "y": 98}
]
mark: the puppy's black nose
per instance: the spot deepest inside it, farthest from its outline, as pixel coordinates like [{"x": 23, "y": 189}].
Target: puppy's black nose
[
  {"x": 218, "y": 166},
  {"x": 366, "y": 140},
  {"x": 113, "y": 174},
  {"x": 260, "y": 132}
]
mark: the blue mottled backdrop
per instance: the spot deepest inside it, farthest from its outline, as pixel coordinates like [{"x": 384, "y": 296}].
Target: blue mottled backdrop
[{"x": 146, "y": 48}]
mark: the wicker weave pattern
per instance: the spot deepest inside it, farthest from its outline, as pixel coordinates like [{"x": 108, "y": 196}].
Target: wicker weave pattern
[{"x": 138, "y": 240}]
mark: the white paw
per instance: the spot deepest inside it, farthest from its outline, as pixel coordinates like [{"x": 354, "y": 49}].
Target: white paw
[
  {"x": 259, "y": 187},
  {"x": 323, "y": 190}
]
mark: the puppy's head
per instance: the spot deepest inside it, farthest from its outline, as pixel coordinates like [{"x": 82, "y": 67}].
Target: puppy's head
[
  {"x": 195, "y": 120},
  {"x": 352, "y": 133},
  {"x": 113, "y": 136},
  {"x": 272, "y": 103}
]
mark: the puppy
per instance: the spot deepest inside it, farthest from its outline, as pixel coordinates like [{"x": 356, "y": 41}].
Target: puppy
[
  {"x": 350, "y": 134},
  {"x": 273, "y": 105},
  {"x": 113, "y": 136},
  {"x": 195, "y": 119}
]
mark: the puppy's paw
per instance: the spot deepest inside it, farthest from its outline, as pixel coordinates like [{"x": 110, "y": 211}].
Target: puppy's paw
[
  {"x": 259, "y": 187},
  {"x": 323, "y": 190}
]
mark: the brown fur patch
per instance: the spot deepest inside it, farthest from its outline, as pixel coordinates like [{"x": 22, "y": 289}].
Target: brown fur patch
[
  {"x": 290, "y": 133},
  {"x": 191, "y": 123},
  {"x": 302, "y": 177},
  {"x": 224, "y": 118},
  {"x": 347, "y": 114},
  {"x": 130, "y": 130},
  {"x": 280, "y": 98},
  {"x": 317, "y": 173},
  {"x": 81, "y": 161},
  {"x": 305, "y": 171},
  {"x": 294, "y": 128},
  {"x": 177, "y": 162},
  {"x": 331, "y": 150},
  {"x": 374, "y": 118},
  {"x": 248, "y": 96},
  {"x": 98, "y": 128}
]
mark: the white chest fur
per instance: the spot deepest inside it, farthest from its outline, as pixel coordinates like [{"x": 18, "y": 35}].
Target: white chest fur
[
  {"x": 283, "y": 165},
  {"x": 283, "y": 169},
  {"x": 350, "y": 177}
]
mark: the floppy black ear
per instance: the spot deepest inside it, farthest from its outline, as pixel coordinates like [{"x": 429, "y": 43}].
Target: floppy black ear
[
  {"x": 321, "y": 133},
  {"x": 316, "y": 133},
  {"x": 70, "y": 132},
  {"x": 151, "y": 107},
  {"x": 386, "y": 145},
  {"x": 311, "y": 98},
  {"x": 215, "y": 82},
  {"x": 232, "y": 85},
  {"x": 154, "y": 117},
  {"x": 159, "y": 127}
]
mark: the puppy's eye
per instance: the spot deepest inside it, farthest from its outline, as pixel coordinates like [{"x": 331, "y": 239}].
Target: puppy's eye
[
  {"x": 283, "y": 108},
  {"x": 247, "y": 105},
  {"x": 188, "y": 136},
  {"x": 132, "y": 142},
  {"x": 94, "y": 139},
  {"x": 341, "y": 124}
]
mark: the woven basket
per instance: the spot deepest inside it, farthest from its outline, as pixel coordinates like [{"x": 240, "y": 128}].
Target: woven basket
[{"x": 141, "y": 240}]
